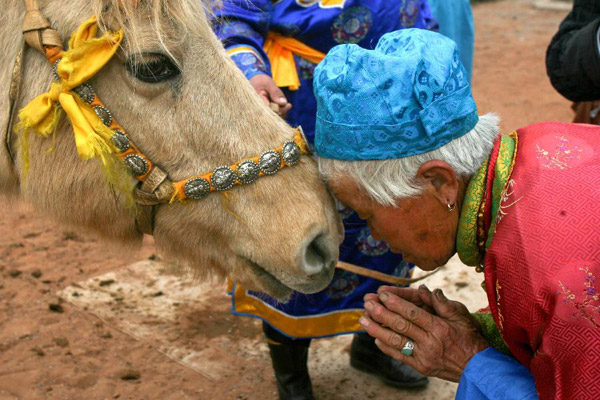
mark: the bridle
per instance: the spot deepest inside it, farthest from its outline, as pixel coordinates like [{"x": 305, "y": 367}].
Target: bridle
[{"x": 154, "y": 186}]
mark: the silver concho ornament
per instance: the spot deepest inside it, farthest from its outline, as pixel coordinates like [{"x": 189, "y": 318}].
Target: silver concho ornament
[
  {"x": 136, "y": 164},
  {"x": 269, "y": 162},
  {"x": 247, "y": 172},
  {"x": 104, "y": 115},
  {"x": 291, "y": 153},
  {"x": 222, "y": 178},
  {"x": 86, "y": 92},
  {"x": 120, "y": 141},
  {"x": 196, "y": 188}
]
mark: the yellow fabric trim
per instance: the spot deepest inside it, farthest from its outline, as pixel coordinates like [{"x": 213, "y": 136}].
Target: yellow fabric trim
[
  {"x": 85, "y": 57},
  {"x": 332, "y": 3},
  {"x": 312, "y": 326},
  {"x": 243, "y": 49},
  {"x": 466, "y": 237},
  {"x": 280, "y": 50},
  {"x": 504, "y": 168}
]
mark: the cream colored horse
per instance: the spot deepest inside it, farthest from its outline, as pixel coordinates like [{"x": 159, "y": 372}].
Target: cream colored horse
[{"x": 277, "y": 234}]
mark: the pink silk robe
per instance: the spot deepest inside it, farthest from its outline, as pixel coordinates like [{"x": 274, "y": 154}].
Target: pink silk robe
[{"x": 544, "y": 259}]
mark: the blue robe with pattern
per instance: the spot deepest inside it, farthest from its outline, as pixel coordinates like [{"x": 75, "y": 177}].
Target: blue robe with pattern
[{"x": 242, "y": 26}]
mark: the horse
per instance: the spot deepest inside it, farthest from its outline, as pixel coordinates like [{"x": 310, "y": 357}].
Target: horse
[{"x": 278, "y": 234}]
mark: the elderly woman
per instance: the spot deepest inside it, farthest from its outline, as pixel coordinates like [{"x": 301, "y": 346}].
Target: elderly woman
[{"x": 401, "y": 143}]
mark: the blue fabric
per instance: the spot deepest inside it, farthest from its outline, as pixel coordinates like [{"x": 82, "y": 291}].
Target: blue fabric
[
  {"x": 491, "y": 375},
  {"x": 455, "y": 18},
  {"x": 244, "y": 24},
  {"x": 247, "y": 22},
  {"x": 408, "y": 96},
  {"x": 346, "y": 290}
]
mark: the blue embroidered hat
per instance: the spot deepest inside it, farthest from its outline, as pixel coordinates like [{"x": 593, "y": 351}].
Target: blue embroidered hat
[{"x": 408, "y": 96}]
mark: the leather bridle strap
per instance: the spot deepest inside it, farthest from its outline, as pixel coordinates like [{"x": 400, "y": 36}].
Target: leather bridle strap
[
  {"x": 156, "y": 189},
  {"x": 38, "y": 34},
  {"x": 37, "y": 30},
  {"x": 13, "y": 96}
]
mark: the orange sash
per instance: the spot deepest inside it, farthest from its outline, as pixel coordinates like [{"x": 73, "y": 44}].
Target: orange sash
[{"x": 280, "y": 50}]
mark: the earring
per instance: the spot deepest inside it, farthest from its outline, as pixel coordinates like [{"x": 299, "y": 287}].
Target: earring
[{"x": 451, "y": 207}]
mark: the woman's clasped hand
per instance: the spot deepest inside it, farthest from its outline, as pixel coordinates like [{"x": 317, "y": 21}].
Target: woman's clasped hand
[{"x": 442, "y": 335}]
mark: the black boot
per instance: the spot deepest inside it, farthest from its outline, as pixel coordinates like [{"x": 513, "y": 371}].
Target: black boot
[
  {"x": 289, "y": 358},
  {"x": 366, "y": 356}
]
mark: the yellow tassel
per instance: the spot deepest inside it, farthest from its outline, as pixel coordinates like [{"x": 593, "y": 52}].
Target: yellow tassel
[
  {"x": 225, "y": 204},
  {"x": 23, "y": 130},
  {"x": 56, "y": 117},
  {"x": 113, "y": 167},
  {"x": 116, "y": 175},
  {"x": 106, "y": 133},
  {"x": 174, "y": 197}
]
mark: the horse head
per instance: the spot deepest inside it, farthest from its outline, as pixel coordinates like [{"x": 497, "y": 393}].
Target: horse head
[{"x": 189, "y": 110}]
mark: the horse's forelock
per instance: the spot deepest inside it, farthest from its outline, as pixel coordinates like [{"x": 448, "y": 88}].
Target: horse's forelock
[{"x": 166, "y": 17}]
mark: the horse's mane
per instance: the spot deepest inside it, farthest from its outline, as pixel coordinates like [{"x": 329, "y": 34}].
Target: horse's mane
[{"x": 163, "y": 16}]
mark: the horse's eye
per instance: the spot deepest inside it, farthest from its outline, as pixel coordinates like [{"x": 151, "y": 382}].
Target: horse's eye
[{"x": 152, "y": 67}]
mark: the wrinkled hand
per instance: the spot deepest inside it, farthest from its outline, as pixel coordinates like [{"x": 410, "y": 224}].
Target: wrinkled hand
[
  {"x": 268, "y": 90},
  {"x": 445, "y": 339}
]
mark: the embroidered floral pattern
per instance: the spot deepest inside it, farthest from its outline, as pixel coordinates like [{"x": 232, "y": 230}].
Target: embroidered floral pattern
[
  {"x": 343, "y": 211},
  {"x": 342, "y": 285},
  {"x": 250, "y": 64},
  {"x": 368, "y": 245},
  {"x": 506, "y": 197},
  {"x": 563, "y": 153},
  {"x": 409, "y": 12},
  {"x": 404, "y": 270},
  {"x": 306, "y": 68},
  {"x": 352, "y": 25},
  {"x": 586, "y": 306},
  {"x": 500, "y": 316}
]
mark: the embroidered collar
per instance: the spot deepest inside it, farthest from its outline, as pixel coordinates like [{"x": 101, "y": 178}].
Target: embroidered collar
[{"x": 481, "y": 204}]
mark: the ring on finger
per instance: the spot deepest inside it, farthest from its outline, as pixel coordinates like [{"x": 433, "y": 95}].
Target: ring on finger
[{"x": 408, "y": 348}]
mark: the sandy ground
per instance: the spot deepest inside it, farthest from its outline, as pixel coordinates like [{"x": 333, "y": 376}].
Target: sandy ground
[{"x": 80, "y": 321}]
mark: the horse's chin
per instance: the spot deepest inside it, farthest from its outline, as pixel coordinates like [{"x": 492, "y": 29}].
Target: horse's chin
[{"x": 274, "y": 287}]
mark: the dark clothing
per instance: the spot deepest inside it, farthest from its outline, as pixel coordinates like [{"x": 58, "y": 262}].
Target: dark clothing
[{"x": 573, "y": 58}]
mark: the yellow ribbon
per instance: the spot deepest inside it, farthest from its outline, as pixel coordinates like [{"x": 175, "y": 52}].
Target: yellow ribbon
[
  {"x": 87, "y": 54},
  {"x": 280, "y": 50}
]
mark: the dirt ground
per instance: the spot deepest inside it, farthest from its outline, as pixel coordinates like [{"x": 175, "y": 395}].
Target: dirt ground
[{"x": 79, "y": 321}]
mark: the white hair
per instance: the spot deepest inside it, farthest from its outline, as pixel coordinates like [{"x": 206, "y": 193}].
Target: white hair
[{"x": 386, "y": 181}]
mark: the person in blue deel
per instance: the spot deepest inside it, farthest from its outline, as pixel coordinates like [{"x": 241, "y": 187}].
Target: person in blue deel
[{"x": 277, "y": 45}]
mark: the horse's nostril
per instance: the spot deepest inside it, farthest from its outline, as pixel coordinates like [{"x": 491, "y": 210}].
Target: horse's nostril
[{"x": 317, "y": 256}]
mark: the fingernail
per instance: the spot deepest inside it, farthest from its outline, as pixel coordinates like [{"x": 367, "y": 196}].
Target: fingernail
[
  {"x": 424, "y": 287},
  {"x": 369, "y": 305},
  {"x": 439, "y": 294},
  {"x": 384, "y": 297},
  {"x": 282, "y": 100},
  {"x": 363, "y": 321}
]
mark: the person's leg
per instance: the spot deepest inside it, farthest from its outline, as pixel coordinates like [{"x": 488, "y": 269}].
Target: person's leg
[
  {"x": 366, "y": 356},
  {"x": 289, "y": 358}
]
